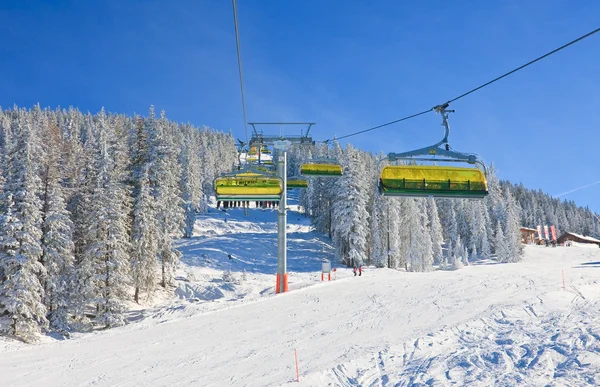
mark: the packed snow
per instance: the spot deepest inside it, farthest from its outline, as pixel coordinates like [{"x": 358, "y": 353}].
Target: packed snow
[{"x": 485, "y": 324}]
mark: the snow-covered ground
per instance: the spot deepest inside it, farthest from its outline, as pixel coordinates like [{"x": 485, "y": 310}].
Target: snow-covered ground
[{"x": 486, "y": 324}]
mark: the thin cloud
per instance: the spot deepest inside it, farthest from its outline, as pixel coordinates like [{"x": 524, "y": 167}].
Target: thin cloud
[{"x": 577, "y": 189}]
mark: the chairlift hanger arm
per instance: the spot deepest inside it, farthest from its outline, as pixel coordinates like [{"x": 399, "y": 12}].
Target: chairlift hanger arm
[{"x": 437, "y": 149}]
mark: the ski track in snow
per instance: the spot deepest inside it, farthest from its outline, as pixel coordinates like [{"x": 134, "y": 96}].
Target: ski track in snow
[
  {"x": 508, "y": 347},
  {"x": 483, "y": 325}
]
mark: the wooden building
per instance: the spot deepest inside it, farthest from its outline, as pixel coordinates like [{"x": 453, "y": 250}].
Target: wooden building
[
  {"x": 572, "y": 237},
  {"x": 528, "y": 235}
]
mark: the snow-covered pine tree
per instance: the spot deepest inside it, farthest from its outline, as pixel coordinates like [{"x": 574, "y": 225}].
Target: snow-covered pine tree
[
  {"x": 57, "y": 239},
  {"x": 165, "y": 173},
  {"x": 160, "y": 155},
  {"x": 144, "y": 240},
  {"x": 416, "y": 240},
  {"x": 479, "y": 244},
  {"x": 457, "y": 255},
  {"x": 379, "y": 218},
  {"x": 108, "y": 231},
  {"x": 58, "y": 258},
  {"x": 453, "y": 236},
  {"x": 425, "y": 236},
  {"x": 350, "y": 216},
  {"x": 191, "y": 183},
  {"x": 502, "y": 250},
  {"x": 462, "y": 215},
  {"x": 396, "y": 233},
  {"x": 435, "y": 228},
  {"x": 494, "y": 199},
  {"x": 21, "y": 291},
  {"x": 82, "y": 184},
  {"x": 512, "y": 231}
]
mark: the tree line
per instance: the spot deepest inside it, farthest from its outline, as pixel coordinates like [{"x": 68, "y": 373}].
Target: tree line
[
  {"x": 417, "y": 233},
  {"x": 89, "y": 208}
]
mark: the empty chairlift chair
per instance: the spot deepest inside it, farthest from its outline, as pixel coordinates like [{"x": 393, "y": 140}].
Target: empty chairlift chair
[
  {"x": 321, "y": 169},
  {"x": 248, "y": 186},
  {"x": 432, "y": 181},
  {"x": 296, "y": 182}
]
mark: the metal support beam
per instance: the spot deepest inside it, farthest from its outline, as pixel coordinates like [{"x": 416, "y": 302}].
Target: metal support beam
[
  {"x": 281, "y": 285},
  {"x": 258, "y": 138}
]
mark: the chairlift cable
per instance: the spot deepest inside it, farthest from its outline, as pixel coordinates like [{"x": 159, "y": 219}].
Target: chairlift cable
[
  {"x": 475, "y": 89},
  {"x": 239, "y": 57},
  {"x": 382, "y": 125},
  {"x": 525, "y": 65}
]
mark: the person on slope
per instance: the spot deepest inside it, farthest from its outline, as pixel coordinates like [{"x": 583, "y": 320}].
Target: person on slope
[
  {"x": 354, "y": 270},
  {"x": 359, "y": 270}
]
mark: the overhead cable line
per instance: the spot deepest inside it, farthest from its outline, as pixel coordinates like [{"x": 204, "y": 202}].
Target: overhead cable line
[
  {"x": 382, "y": 125},
  {"x": 239, "y": 57},
  {"x": 525, "y": 65},
  {"x": 475, "y": 89}
]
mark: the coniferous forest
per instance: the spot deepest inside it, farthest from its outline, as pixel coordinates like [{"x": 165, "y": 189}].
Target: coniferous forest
[
  {"x": 90, "y": 206},
  {"x": 416, "y": 234}
]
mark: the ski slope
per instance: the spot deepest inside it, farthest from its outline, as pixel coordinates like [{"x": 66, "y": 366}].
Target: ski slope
[{"x": 486, "y": 324}]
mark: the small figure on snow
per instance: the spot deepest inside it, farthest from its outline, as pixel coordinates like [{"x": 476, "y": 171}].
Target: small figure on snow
[
  {"x": 359, "y": 271},
  {"x": 354, "y": 270}
]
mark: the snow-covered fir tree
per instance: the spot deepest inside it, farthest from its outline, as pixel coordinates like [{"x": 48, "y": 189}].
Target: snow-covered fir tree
[
  {"x": 349, "y": 210},
  {"x": 144, "y": 240},
  {"x": 435, "y": 229},
  {"x": 23, "y": 314},
  {"x": 108, "y": 245}
]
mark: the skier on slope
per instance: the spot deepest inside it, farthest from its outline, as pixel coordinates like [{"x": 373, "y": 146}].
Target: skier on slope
[
  {"x": 354, "y": 270},
  {"x": 359, "y": 270}
]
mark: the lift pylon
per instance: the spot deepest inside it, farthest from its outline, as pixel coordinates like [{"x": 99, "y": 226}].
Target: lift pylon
[{"x": 281, "y": 144}]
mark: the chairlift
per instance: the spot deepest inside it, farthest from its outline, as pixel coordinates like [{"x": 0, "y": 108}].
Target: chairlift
[
  {"x": 265, "y": 168},
  {"x": 321, "y": 168},
  {"x": 296, "y": 182},
  {"x": 248, "y": 184},
  {"x": 433, "y": 180}
]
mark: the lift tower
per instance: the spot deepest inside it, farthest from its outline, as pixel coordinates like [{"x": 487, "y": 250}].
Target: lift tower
[{"x": 281, "y": 143}]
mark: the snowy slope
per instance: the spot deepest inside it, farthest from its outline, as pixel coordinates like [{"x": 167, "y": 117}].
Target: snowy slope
[{"x": 488, "y": 324}]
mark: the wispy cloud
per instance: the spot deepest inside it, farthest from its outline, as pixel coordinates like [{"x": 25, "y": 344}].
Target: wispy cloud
[{"x": 577, "y": 189}]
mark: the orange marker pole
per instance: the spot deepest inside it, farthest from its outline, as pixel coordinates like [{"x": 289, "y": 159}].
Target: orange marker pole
[{"x": 297, "y": 375}]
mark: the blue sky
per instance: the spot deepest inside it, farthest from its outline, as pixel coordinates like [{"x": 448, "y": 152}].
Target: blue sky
[{"x": 347, "y": 65}]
